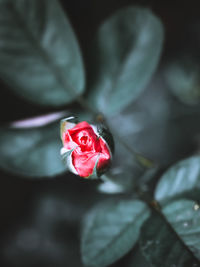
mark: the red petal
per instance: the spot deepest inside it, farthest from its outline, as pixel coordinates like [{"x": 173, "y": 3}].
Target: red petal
[
  {"x": 80, "y": 126},
  {"x": 68, "y": 142},
  {"x": 84, "y": 156},
  {"x": 83, "y": 129},
  {"x": 84, "y": 163}
]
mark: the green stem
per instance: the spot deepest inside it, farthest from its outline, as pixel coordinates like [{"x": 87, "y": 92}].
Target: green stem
[{"x": 143, "y": 162}]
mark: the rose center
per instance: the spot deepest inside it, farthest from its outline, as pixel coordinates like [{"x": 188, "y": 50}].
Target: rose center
[{"x": 84, "y": 140}]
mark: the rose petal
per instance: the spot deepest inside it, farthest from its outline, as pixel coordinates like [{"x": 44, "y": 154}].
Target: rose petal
[
  {"x": 68, "y": 142},
  {"x": 84, "y": 163},
  {"x": 87, "y": 147},
  {"x": 65, "y": 125},
  {"x": 81, "y": 126},
  {"x": 85, "y": 139},
  {"x": 84, "y": 129}
]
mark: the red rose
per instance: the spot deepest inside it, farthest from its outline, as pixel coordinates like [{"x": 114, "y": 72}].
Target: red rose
[{"x": 85, "y": 149}]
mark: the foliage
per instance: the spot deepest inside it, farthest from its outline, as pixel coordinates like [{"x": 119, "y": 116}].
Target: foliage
[{"x": 154, "y": 217}]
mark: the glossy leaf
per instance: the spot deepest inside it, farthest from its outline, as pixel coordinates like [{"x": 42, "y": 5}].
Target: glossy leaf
[
  {"x": 181, "y": 180},
  {"x": 162, "y": 247},
  {"x": 39, "y": 54},
  {"x": 111, "y": 230},
  {"x": 184, "y": 216},
  {"x": 31, "y": 151},
  {"x": 127, "y": 50}
]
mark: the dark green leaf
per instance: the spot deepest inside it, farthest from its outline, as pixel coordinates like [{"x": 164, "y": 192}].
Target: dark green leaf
[
  {"x": 137, "y": 259},
  {"x": 31, "y": 151},
  {"x": 39, "y": 54},
  {"x": 182, "y": 76},
  {"x": 182, "y": 179},
  {"x": 158, "y": 126},
  {"x": 184, "y": 216},
  {"x": 111, "y": 230},
  {"x": 162, "y": 247},
  {"x": 127, "y": 50}
]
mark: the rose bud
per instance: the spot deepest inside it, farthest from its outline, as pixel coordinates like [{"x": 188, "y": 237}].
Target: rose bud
[{"x": 87, "y": 149}]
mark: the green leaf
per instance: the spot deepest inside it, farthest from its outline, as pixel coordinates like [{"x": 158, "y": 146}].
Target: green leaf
[
  {"x": 137, "y": 259},
  {"x": 111, "y": 230},
  {"x": 127, "y": 50},
  {"x": 184, "y": 216},
  {"x": 182, "y": 76},
  {"x": 181, "y": 180},
  {"x": 162, "y": 247},
  {"x": 31, "y": 151},
  {"x": 39, "y": 54}
]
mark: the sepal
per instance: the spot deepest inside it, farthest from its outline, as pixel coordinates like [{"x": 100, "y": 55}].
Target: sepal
[
  {"x": 66, "y": 156},
  {"x": 66, "y": 124},
  {"x": 105, "y": 133},
  {"x": 95, "y": 174}
]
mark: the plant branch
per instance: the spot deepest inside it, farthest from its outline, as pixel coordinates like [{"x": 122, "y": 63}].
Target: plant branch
[{"x": 142, "y": 162}]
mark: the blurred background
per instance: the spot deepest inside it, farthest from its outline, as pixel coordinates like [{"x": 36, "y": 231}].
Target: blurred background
[{"x": 40, "y": 219}]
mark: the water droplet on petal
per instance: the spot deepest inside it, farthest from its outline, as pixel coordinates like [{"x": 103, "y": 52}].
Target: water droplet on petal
[{"x": 185, "y": 224}]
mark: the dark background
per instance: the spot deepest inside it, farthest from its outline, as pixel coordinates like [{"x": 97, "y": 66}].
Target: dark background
[{"x": 30, "y": 234}]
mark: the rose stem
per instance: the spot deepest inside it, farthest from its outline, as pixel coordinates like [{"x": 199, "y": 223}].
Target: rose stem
[{"x": 98, "y": 115}]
